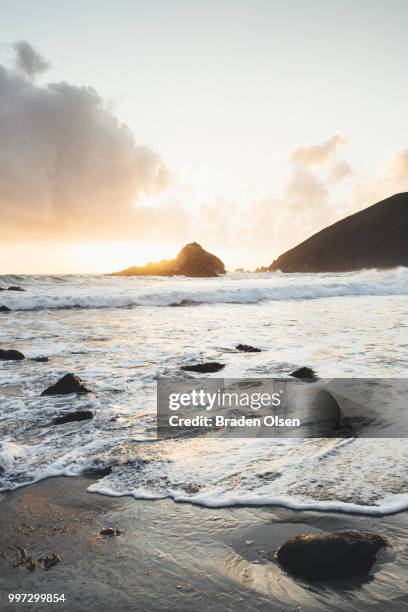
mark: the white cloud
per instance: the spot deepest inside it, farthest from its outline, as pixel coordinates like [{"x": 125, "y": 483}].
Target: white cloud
[{"x": 318, "y": 153}]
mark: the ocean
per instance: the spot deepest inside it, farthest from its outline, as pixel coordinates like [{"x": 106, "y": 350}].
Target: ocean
[{"x": 120, "y": 334}]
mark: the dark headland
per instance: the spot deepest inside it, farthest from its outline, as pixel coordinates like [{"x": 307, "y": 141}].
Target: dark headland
[
  {"x": 193, "y": 261},
  {"x": 376, "y": 237}
]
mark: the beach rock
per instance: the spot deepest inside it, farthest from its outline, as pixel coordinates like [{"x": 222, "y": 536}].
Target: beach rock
[
  {"x": 2, "y": 289},
  {"x": 322, "y": 556},
  {"x": 306, "y": 374},
  {"x": 71, "y": 417},
  {"x": 40, "y": 359},
  {"x": 192, "y": 261},
  {"x": 247, "y": 348},
  {"x": 204, "y": 368},
  {"x": 70, "y": 383},
  {"x": 49, "y": 561},
  {"x": 15, "y": 288},
  {"x": 375, "y": 237},
  {"x": 11, "y": 355},
  {"x": 5, "y": 309},
  {"x": 98, "y": 472},
  {"x": 108, "y": 531}
]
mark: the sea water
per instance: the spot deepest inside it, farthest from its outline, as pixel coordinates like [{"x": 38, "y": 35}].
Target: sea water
[{"x": 120, "y": 334}]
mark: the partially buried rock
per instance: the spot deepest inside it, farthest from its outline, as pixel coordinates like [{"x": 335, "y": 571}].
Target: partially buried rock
[
  {"x": 247, "y": 348},
  {"x": 11, "y": 355},
  {"x": 5, "y": 309},
  {"x": 322, "y": 556},
  {"x": 71, "y": 417},
  {"x": 306, "y": 374},
  {"x": 40, "y": 359},
  {"x": 204, "y": 368},
  {"x": 70, "y": 383},
  {"x": 15, "y": 288},
  {"x": 108, "y": 531}
]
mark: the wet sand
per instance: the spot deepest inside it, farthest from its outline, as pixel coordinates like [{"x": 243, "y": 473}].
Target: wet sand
[{"x": 179, "y": 557}]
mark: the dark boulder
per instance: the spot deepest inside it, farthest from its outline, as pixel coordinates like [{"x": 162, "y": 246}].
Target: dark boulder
[
  {"x": 322, "y": 556},
  {"x": 247, "y": 348},
  {"x": 204, "y": 368},
  {"x": 40, "y": 359},
  {"x": 72, "y": 417},
  {"x": 5, "y": 309},
  {"x": 192, "y": 261},
  {"x": 306, "y": 374},
  {"x": 109, "y": 531},
  {"x": 70, "y": 383},
  {"x": 15, "y": 288},
  {"x": 11, "y": 355}
]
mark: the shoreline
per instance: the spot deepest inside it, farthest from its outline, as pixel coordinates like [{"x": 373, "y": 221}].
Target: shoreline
[{"x": 180, "y": 556}]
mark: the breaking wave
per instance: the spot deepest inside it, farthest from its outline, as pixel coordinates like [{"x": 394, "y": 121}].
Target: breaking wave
[{"x": 123, "y": 292}]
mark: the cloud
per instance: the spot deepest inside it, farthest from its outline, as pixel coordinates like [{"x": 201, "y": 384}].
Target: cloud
[
  {"x": 340, "y": 169},
  {"x": 319, "y": 153},
  {"x": 28, "y": 60},
  {"x": 305, "y": 190},
  {"x": 391, "y": 178},
  {"x": 399, "y": 166},
  {"x": 70, "y": 168}
]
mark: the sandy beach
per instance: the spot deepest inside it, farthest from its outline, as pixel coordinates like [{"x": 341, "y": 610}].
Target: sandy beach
[{"x": 180, "y": 557}]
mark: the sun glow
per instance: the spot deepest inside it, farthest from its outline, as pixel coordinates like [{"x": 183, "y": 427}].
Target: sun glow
[
  {"x": 113, "y": 256},
  {"x": 82, "y": 257}
]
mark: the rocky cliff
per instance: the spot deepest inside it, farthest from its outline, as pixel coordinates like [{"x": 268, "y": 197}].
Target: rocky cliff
[{"x": 376, "y": 237}]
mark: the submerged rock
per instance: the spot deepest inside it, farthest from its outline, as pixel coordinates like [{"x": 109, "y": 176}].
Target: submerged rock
[
  {"x": 40, "y": 359},
  {"x": 72, "y": 417},
  {"x": 15, "y": 288},
  {"x": 306, "y": 374},
  {"x": 70, "y": 383},
  {"x": 321, "y": 556},
  {"x": 98, "y": 471},
  {"x": 49, "y": 561},
  {"x": 247, "y": 348},
  {"x": 11, "y": 355},
  {"x": 192, "y": 261},
  {"x": 23, "y": 558},
  {"x": 5, "y": 309},
  {"x": 204, "y": 368},
  {"x": 186, "y": 302}
]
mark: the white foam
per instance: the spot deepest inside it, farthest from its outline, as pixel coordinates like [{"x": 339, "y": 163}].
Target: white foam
[
  {"x": 123, "y": 292},
  {"x": 300, "y": 475}
]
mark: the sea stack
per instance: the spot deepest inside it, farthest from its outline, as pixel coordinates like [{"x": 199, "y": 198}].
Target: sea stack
[
  {"x": 192, "y": 261},
  {"x": 375, "y": 237}
]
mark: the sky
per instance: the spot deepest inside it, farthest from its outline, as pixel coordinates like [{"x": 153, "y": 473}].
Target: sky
[{"x": 130, "y": 128}]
